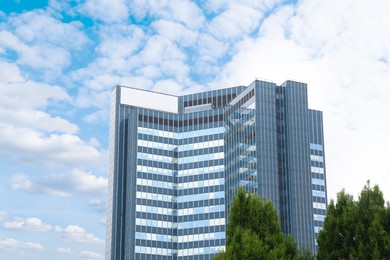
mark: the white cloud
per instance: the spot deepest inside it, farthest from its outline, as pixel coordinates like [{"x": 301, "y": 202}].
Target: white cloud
[
  {"x": 31, "y": 135},
  {"x": 218, "y": 6},
  {"x": 75, "y": 182},
  {"x": 66, "y": 251},
  {"x": 60, "y": 6},
  {"x": 235, "y": 22},
  {"x": 41, "y": 41},
  {"x": 35, "y": 119},
  {"x": 175, "y": 32},
  {"x": 21, "y": 182},
  {"x": 167, "y": 86},
  {"x": 149, "y": 71},
  {"x": 10, "y": 73},
  {"x": 182, "y": 11},
  {"x": 99, "y": 116},
  {"x": 21, "y": 93},
  {"x": 31, "y": 147},
  {"x": 158, "y": 49},
  {"x": 29, "y": 224},
  {"x": 215, "y": 6},
  {"x": 78, "y": 234},
  {"x": 118, "y": 42},
  {"x": 90, "y": 255},
  {"x": 38, "y": 26},
  {"x": 210, "y": 49},
  {"x": 98, "y": 204},
  {"x": 12, "y": 244},
  {"x": 277, "y": 60},
  {"x": 3, "y": 215},
  {"x": 40, "y": 57},
  {"x": 105, "y": 10}
]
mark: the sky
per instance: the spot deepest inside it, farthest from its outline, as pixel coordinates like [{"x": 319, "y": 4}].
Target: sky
[{"x": 60, "y": 59}]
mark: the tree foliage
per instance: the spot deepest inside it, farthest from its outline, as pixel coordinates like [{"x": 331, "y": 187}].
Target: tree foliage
[
  {"x": 356, "y": 229},
  {"x": 253, "y": 232}
]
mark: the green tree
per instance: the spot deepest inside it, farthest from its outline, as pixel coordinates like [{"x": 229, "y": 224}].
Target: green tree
[
  {"x": 356, "y": 229},
  {"x": 253, "y": 232}
]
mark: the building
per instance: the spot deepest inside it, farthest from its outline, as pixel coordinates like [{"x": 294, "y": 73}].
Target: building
[{"x": 177, "y": 161}]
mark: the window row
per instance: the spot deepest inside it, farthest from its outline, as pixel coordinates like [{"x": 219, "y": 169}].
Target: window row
[
  {"x": 204, "y": 196},
  {"x": 153, "y": 183},
  {"x": 154, "y": 170},
  {"x": 154, "y": 196},
  {"x": 204, "y": 216},
  {"x": 318, "y": 205},
  {"x": 317, "y": 170},
  {"x": 203, "y": 157},
  {"x": 319, "y": 176},
  {"x": 316, "y": 147},
  {"x": 201, "y": 230},
  {"x": 201, "y": 237},
  {"x": 155, "y": 190},
  {"x": 182, "y": 199},
  {"x": 183, "y": 179},
  {"x": 318, "y": 187},
  {"x": 152, "y": 216},
  {"x": 202, "y": 170},
  {"x": 316, "y": 158},
  {"x": 191, "y": 159},
  {"x": 317, "y": 229},
  {"x": 153, "y": 237},
  {"x": 183, "y": 245},
  {"x": 154, "y": 210},
  {"x": 156, "y": 145},
  {"x": 319, "y": 193},
  {"x": 318, "y": 217},
  {"x": 319, "y": 211},
  {"x": 201, "y": 203},
  {"x": 201, "y": 223},
  {"x": 153, "y": 223},
  {"x": 201, "y": 145},
  {"x": 201, "y": 210},
  {"x": 200, "y": 251},
  {"x": 319, "y": 199},
  {"x": 153, "y": 250},
  {"x": 205, "y": 183},
  {"x": 318, "y": 223},
  {"x": 201, "y": 164},
  {"x": 180, "y": 148},
  {"x": 200, "y": 190},
  {"x": 316, "y": 152},
  {"x": 317, "y": 164},
  {"x": 157, "y": 158},
  {"x": 173, "y": 231},
  {"x": 189, "y": 134}
]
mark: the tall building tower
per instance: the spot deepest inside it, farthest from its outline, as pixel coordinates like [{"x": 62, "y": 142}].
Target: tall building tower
[{"x": 177, "y": 161}]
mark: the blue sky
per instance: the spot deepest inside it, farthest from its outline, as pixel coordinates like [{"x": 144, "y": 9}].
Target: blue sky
[{"x": 60, "y": 59}]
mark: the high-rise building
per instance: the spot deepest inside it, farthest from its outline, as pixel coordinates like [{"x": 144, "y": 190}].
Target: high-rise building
[{"x": 177, "y": 161}]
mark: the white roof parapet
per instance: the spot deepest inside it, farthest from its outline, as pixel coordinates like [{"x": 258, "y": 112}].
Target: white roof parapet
[{"x": 148, "y": 99}]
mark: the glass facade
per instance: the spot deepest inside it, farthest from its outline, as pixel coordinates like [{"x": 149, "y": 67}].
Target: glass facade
[
  {"x": 173, "y": 172},
  {"x": 317, "y": 168}
]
